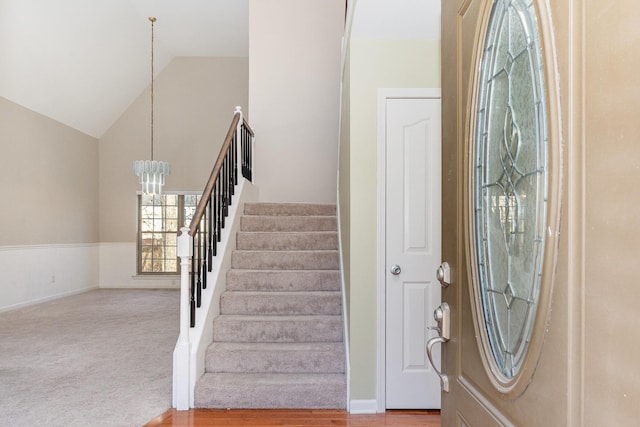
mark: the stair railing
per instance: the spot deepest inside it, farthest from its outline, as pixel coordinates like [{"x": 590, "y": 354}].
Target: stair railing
[{"x": 198, "y": 243}]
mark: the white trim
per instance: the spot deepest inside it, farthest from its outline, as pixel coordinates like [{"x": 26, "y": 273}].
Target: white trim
[
  {"x": 345, "y": 319},
  {"x": 346, "y": 37},
  {"x": 50, "y": 246},
  {"x": 383, "y": 95},
  {"x": 345, "y": 46},
  {"x": 47, "y": 299},
  {"x": 60, "y": 270},
  {"x": 363, "y": 406},
  {"x": 176, "y": 193}
]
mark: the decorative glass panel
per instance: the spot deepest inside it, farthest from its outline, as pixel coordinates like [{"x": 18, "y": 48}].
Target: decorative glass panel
[{"x": 510, "y": 180}]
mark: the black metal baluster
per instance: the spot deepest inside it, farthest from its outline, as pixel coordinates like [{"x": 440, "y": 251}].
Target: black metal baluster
[
  {"x": 214, "y": 198},
  {"x": 223, "y": 185},
  {"x": 218, "y": 220},
  {"x": 192, "y": 290},
  {"x": 234, "y": 162},
  {"x": 249, "y": 153},
  {"x": 199, "y": 284},
  {"x": 210, "y": 235},
  {"x": 233, "y": 169},
  {"x": 205, "y": 245},
  {"x": 243, "y": 137}
]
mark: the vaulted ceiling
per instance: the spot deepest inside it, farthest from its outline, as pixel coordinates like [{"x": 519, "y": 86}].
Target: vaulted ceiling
[{"x": 82, "y": 62}]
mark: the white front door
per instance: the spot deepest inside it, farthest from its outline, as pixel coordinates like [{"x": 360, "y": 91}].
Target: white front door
[{"x": 412, "y": 232}]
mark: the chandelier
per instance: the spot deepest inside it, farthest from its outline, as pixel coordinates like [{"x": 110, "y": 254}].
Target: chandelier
[{"x": 151, "y": 172}]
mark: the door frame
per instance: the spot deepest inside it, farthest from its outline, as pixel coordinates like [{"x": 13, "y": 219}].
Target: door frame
[{"x": 385, "y": 94}]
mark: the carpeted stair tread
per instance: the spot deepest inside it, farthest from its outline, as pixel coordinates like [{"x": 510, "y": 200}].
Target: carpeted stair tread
[
  {"x": 278, "y": 341},
  {"x": 283, "y": 280},
  {"x": 281, "y": 303},
  {"x": 295, "y": 391},
  {"x": 275, "y": 357},
  {"x": 286, "y": 260},
  {"x": 288, "y": 223},
  {"x": 288, "y": 209},
  {"x": 306, "y": 240},
  {"x": 241, "y": 328}
]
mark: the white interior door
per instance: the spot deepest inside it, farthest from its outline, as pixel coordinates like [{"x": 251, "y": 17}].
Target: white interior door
[{"x": 413, "y": 213}]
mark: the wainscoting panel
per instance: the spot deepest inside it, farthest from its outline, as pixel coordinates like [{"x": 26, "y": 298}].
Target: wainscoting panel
[
  {"x": 118, "y": 269},
  {"x": 37, "y": 273}
]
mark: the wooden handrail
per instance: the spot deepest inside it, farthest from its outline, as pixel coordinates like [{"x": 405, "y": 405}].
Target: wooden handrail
[
  {"x": 247, "y": 127},
  {"x": 208, "y": 189}
]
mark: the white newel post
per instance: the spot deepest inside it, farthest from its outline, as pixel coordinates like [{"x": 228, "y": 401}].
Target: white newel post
[{"x": 182, "y": 353}]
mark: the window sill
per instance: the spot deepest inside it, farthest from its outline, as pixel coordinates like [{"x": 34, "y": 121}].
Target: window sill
[{"x": 156, "y": 277}]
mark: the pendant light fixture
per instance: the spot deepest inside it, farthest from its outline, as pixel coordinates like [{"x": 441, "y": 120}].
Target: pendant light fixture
[{"x": 151, "y": 172}]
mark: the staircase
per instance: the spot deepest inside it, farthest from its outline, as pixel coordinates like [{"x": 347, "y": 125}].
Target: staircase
[{"x": 278, "y": 342}]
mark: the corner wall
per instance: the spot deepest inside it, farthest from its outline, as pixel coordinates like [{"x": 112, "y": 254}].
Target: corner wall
[
  {"x": 294, "y": 76},
  {"x": 373, "y": 64},
  {"x": 49, "y": 187}
]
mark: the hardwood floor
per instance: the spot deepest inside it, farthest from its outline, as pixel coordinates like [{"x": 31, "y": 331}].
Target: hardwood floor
[{"x": 290, "y": 417}]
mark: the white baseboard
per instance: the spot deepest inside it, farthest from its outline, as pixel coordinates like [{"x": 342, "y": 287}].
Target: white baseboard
[
  {"x": 363, "y": 406},
  {"x": 33, "y": 274},
  {"x": 46, "y": 299}
]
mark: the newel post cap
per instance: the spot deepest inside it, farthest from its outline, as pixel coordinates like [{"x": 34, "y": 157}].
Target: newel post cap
[{"x": 185, "y": 243}]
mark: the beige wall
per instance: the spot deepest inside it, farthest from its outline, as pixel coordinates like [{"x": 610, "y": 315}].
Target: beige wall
[
  {"x": 48, "y": 180},
  {"x": 610, "y": 163},
  {"x": 373, "y": 64},
  {"x": 194, "y": 100},
  {"x": 294, "y": 76}
]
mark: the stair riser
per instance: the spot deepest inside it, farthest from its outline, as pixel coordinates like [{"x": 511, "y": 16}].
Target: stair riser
[
  {"x": 278, "y": 209},
  {"x": 275, "y": 361},
  {"x": 287, "y": 241},
  {"x": 283, "y": 395},
  {"x": 273, "y": 397},
  {"x": 274, "y": 281},
  {"x": 291, "y": 223},
  {"x": 278, "y": 342},
  {"x": 276, "y": 304},
  {"x": 305, "y": 329},
  {"x": 285, "y": 260}
]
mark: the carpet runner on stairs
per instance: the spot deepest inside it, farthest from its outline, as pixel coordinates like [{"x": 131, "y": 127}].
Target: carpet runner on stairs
[{"x": 278, "y": 342}]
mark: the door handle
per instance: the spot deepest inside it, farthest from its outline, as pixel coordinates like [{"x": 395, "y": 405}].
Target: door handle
[
  {"x": 443, "y": 274},
  {"x": 442, "y": 316},
  {"x": 395, "y": 269}
]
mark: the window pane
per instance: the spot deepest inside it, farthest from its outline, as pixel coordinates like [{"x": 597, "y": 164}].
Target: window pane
[
  {"x": 160, "y": 218},
  {"x": 171, "y": 265},
  {"x": 171, "y": 225},
  {"x": 171, "y": 199},
  {"x": 158, "y": 223},
  {"x": 171, "y": 212},
  {"x": 191, "y": 200}
]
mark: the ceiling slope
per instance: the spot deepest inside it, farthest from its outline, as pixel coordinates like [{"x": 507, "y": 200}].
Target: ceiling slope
[{"x": 83, "y": 62}]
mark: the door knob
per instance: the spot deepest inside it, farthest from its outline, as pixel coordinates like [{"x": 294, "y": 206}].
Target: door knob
[
  {"x": 443, "y": 274},
  {"x": 395, "y": 269}
]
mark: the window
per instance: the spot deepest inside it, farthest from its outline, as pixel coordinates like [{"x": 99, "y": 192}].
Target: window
[{"x": 159, "y": 220}]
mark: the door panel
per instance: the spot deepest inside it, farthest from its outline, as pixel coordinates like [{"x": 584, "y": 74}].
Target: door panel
[
  {"x": 413, "y": 243},
  {"x": 474, "y": 400}
]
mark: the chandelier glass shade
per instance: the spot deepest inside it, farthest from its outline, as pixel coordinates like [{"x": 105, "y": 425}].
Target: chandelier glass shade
[{"x": 152, "y": 173}]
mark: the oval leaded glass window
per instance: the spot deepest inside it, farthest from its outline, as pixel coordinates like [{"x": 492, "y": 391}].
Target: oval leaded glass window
[{"x": 509, "y": 184}]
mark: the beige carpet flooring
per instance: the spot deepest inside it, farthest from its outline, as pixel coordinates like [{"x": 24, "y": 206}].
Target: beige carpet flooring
[{"x": 101, "y": 358}]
